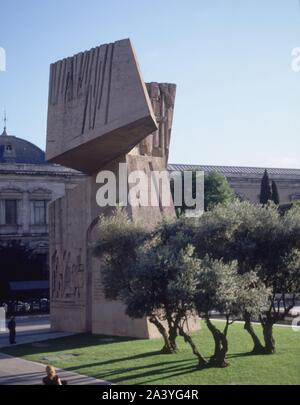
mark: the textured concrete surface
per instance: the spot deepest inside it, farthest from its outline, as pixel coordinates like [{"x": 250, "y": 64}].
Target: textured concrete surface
[{"x": 98, "y": 107}]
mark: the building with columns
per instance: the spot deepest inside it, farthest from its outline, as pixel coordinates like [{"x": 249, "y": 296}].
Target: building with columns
[{"x": 27, "y": 185}]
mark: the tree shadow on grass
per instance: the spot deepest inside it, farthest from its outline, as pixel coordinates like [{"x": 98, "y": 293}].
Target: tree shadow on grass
[
  {"x": 180, "y": 370},
  {"x": 174, "y": 368},
  {"x": 243, "y": 354},
  {"x": 159, "y": 370},
  {"x": 118, "y": 360}
]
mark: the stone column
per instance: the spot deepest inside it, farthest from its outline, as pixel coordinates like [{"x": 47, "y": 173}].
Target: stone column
[{"x": 25, "y": 214}]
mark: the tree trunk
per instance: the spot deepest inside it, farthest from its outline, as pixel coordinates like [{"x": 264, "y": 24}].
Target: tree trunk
[
  {"x": 221, "y": 346},
  {"x": 268, "y": 336},
  {"x": 258, "y": 348},
  {"x": 168, "y": 346},
  {"x": 173, "y": 336},
  {"x": 188, "y": 339}
]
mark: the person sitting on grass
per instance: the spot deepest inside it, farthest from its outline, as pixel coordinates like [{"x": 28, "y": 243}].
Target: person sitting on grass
[{"x": 51, "y": 378}]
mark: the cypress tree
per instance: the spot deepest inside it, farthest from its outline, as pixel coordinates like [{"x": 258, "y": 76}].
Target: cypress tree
[
  {"x": 265, "y": 189},
  {"x": 275, "y": 193}
]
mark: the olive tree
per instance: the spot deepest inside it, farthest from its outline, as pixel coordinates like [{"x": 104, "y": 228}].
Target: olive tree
[
  {"x": 163, "y": 286},
  {"x": 265, "y": 241},
  {"x": 221, "y": 288},
  {"x": 149, "y": 276},
  {"x": 116, "y": 247}
]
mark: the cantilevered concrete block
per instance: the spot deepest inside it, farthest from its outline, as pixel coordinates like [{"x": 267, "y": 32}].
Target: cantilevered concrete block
[{"x": 98, "y": 109}]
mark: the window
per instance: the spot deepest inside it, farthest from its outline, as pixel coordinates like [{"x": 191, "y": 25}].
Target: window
[
  {"x": 39, "y": 208},
  {"x": 8, "y": 147},
  {"x": 11, "y": 212}
]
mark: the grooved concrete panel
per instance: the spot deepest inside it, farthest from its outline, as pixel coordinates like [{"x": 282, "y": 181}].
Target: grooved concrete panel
[{"x": 98, "y": 107}]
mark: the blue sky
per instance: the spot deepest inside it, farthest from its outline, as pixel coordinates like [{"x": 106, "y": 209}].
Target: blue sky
[{"x": 238, "y": 100}]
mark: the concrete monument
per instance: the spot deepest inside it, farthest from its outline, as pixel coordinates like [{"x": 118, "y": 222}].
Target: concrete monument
[
  {"x": 98, "y": 107},
  {"x": 96, "y": 121}
]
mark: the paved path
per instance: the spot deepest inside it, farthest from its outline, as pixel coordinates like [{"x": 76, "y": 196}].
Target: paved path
[
  {"x": 32, "y": 329},
  {"x": 15, "y": 371}
]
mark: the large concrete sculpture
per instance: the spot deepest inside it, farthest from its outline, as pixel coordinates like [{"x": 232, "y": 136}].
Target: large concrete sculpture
[
  {"x": 133, "y": 126},
  {"x": 98, "y": 107}
]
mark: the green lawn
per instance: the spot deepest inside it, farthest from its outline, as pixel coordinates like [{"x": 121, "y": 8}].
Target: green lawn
[{"x": 132, "y": 361}]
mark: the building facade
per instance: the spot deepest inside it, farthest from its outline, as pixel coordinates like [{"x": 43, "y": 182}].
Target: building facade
[
  {"x": 27, "y": 185},
  {"x": 246, "y": 181}
]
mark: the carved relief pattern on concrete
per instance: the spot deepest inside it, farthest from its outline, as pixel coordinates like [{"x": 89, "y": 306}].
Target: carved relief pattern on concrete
[
  {"x": 84, "y": 76},
  {"x": 98, "y": 107},
  {"x": 67, "y": 276},
  {"x": 162, "y": 96}
]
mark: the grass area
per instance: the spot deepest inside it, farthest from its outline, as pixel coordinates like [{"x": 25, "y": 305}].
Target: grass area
[{"x": 132, "y": 361}]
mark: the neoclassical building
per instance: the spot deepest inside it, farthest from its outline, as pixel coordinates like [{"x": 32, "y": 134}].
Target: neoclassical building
[{"x": 27, "y": 185}]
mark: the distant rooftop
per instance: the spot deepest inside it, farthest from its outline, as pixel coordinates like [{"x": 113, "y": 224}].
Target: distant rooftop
[
  {"x": 236, "y": 170},
  {"x": 44, "y": 169}
]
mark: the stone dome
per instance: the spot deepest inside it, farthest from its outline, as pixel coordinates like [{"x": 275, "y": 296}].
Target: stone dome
[{"x": 17, "y": 150}]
